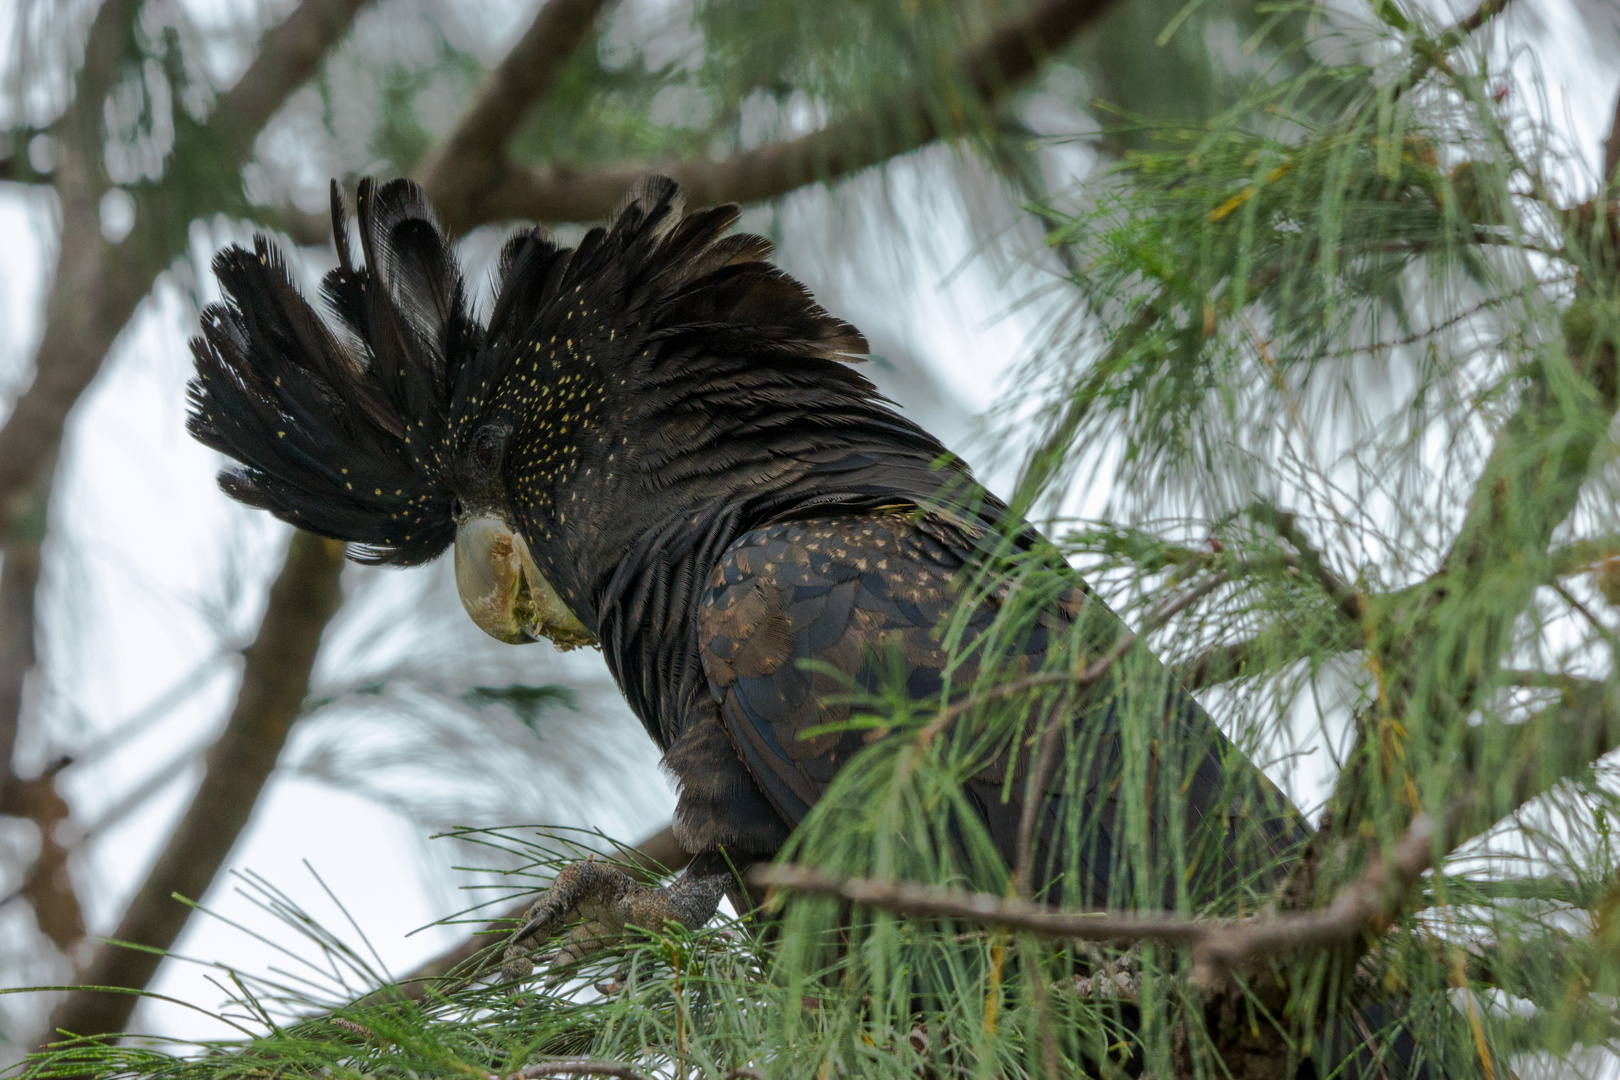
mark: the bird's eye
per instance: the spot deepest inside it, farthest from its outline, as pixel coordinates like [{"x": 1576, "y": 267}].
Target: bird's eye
[
  {"x": 457, "y": 510},
  {"x": 487, "y": 448}
]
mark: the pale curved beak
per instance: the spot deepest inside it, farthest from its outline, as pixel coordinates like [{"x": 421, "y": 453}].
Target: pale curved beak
[{"x": 504, "y": 591}]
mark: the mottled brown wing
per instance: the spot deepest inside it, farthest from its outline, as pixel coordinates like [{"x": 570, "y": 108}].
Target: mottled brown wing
[
  {"x": 848, "y": 592},
  {"x": 859, "y": 594}
]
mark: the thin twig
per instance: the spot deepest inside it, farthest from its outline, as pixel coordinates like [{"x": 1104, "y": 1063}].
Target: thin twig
[
  {"x": 1527, "y": 679},
  {"x": 1584, "y": 555},
  {"x": 1585, "y": 612},
  {"x": 1435, "y": 49},
  {"x": 1052, "y": 729}
]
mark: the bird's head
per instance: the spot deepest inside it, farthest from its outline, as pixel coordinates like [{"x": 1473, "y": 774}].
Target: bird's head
[{"x": 612, "y": 383}]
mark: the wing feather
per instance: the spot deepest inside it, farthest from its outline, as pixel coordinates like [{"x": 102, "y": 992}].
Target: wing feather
[{"x": 799, "y": 612}]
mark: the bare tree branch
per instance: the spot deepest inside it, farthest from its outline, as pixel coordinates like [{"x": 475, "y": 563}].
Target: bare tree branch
[
  {"x": 1008, "y": 57},
  {"x": 275, "y": 679},
  {"x": 47, "y": 886},
  {"x": 288, "y": 55},
  {"x": 98, "y": 284},
  {"x": 469, "y": 162},
  {"x": 1218, "y": 945},
  {"x": 938, "y": 902},
  {"x": 106, "y": 46}
]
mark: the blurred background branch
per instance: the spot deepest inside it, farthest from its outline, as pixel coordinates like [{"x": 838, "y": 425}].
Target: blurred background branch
[{"x": 1009, "y": 56}]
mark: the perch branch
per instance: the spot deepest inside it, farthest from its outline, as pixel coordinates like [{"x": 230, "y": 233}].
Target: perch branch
[{"x": 1218, "y": 945}]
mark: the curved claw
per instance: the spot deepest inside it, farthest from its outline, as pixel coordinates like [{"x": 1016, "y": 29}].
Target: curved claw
[{"x": 608, "y": 900}]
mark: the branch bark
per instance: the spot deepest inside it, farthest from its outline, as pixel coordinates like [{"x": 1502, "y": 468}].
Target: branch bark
[
  {"x": 1008, "y": 57},
  {"x": 47, "y": 886},
  {"x": 275, "y": 679},
  {"x": 288, "y": 55}
]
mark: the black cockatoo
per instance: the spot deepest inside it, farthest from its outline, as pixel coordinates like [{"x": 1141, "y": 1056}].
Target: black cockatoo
[{"x": 657, "y": 445}]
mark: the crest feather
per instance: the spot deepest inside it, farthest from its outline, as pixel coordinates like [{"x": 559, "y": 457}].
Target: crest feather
[{"x": 354, "y": 430}]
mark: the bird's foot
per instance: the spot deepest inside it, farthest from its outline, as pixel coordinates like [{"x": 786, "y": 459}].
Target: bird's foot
[{"x": 607, "y": 900}]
